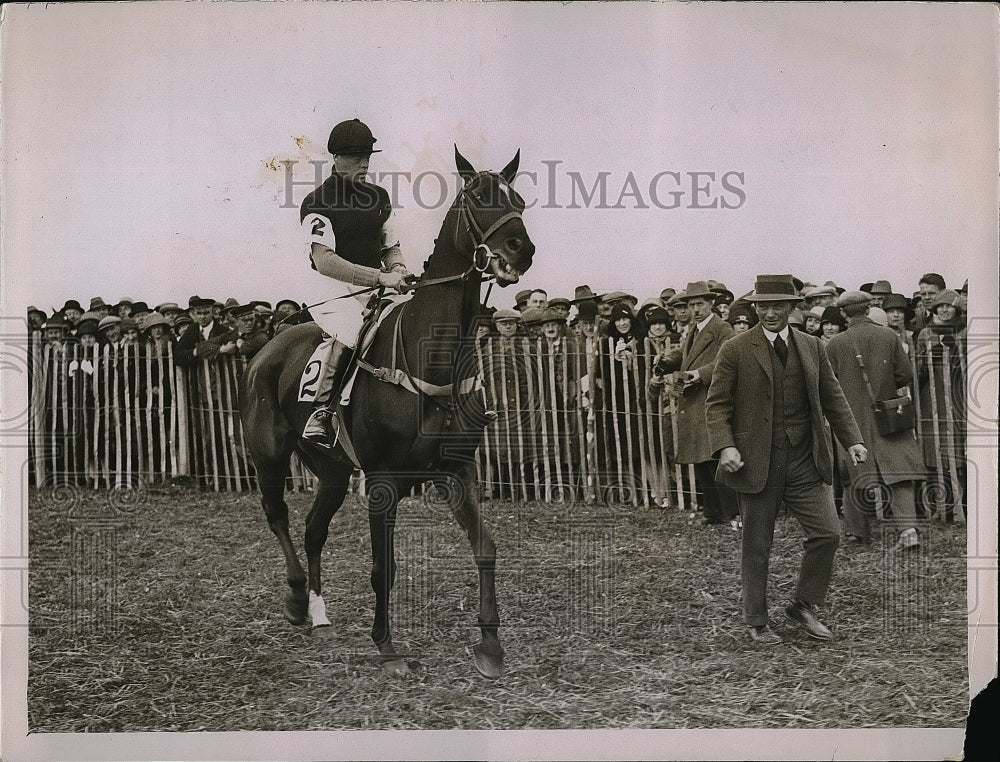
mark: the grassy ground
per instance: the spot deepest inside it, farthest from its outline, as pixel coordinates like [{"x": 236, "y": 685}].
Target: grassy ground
[{"x": 164, "y": 614}]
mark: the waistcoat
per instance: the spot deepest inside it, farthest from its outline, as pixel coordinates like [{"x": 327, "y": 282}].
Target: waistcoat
[{"x": 790, "y": 400}]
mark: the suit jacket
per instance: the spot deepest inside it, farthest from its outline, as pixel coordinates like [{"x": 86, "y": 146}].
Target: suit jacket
[
  {"x": 896, "y": 457},
  {"x": 739, "y": 406},
  {"x": 207, "y": 350},
  {"x": 693, "y": 444}
]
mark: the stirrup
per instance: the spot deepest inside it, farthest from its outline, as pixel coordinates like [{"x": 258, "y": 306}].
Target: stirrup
[{"x": 317, "y": 428}]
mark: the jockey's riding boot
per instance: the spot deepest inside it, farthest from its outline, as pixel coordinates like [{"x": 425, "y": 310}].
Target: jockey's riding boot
[{"x": 317, "y": 428}]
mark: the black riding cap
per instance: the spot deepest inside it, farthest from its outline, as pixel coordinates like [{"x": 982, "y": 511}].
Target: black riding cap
[{"x": 351, "y": 138}]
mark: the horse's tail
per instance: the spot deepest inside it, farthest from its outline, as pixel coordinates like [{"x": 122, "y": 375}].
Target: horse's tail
[{"x": 269, "y": 433}]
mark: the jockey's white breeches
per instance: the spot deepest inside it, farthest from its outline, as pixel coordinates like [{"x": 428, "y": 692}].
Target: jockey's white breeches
[{"x": 341, "y": 318}]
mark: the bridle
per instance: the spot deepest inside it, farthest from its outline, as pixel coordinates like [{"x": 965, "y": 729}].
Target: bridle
[{"x": 465, "y": 218}]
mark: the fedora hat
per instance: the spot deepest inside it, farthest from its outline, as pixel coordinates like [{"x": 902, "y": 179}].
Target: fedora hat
[
  {"x": 196, "y": 302},
  {"x": 774, "y": 288},
  {"x": 97, "y": 303},
  {"x": 724, "y": 295},
  {"x": 582, "y": 294},
  {"x": 72, "y": 304},
  {"x": 834, "y": 286},
  {"x": 614, "y": 296},
  {"x": 698, "y": 289},
  {"x": 230, "y": 304},
  {"x": 586, "y": 311},
  {"x": 879, "y": 287}
]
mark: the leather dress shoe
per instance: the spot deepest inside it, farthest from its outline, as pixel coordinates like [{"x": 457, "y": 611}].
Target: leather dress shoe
[
  {"x": 763, "y": 634},
  {"x": 804, "y": 615}
]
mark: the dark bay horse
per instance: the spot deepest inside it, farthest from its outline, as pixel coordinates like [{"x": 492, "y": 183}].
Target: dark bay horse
[{"x": 401, "y": 438}]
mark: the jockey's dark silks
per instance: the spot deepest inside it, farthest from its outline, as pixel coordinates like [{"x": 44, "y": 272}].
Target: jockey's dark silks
[{"x": 357, "y": 211}]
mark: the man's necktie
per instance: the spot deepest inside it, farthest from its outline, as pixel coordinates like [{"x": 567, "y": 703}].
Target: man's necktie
[
  {"x": 781, "y": 348},
  {"x": 692, "y": 335}
]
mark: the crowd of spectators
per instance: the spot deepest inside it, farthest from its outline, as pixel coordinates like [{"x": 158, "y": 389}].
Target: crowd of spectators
[
  {"x": 240, "y": 329},
  {"x": 607, "y": 354}
]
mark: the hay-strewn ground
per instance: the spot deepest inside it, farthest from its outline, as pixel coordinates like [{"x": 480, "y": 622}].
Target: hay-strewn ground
[{"x": 166, "y": 616}]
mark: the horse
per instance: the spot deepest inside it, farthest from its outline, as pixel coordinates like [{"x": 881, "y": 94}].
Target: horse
[{"x": 401, "y": 438}]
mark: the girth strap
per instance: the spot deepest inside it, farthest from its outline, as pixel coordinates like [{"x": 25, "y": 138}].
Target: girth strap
[{"x": 416, "y": 385}]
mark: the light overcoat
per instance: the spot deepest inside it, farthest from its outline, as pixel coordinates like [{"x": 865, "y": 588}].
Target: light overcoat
[
  {"x": 739, "y": 406},
  {"x": 693, "y": 445},
  {"x": 896, "y": 457}
]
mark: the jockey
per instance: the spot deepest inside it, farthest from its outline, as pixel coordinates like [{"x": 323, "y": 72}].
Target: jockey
[{"x": 350, "y": 227}]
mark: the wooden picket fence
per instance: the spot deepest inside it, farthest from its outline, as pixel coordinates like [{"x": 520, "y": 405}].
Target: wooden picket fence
[{"x": 577, "y": 422}]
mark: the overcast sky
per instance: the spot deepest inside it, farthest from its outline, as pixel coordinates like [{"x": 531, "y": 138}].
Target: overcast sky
[{"x": 145, "y": 145}]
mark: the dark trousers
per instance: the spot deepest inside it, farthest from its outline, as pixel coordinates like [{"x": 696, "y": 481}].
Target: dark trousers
[
  {"x": 719, "y": 500},
  {"x": 792, "y": 479}
]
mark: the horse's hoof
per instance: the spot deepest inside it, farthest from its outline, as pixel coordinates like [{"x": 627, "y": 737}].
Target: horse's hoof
[
  {"x": 322, "y": 631},
  {"x": 488, "y": 663},
  {"x": 396, "y": 667},
  {"x": 295, "y": 609}
]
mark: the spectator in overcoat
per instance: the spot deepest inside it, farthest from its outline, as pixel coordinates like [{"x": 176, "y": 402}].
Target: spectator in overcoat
[
  {"x": 691, "y": 365},
  {"x": 250, "y": 333},
  {"x": 941, "y": 379},
  {"x": 207, "y": 338},
  {"x": 894, "y": 466},
  {"x": 618, "y": 397}
]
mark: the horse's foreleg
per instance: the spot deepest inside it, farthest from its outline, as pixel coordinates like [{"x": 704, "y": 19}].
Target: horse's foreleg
[
  {"x": 329, "y": 498},
  {"x": 488, "y": 654},
  {"x": 383, "y": 497},
  {"x": 276, "y": 510}
]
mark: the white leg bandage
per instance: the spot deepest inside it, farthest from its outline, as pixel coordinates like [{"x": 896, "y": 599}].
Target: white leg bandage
[{"x": 317, "y": 610}]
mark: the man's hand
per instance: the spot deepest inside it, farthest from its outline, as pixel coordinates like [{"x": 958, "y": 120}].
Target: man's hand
[
  {"x": 394, "y": 280},
  {"x": 691, "y": 378},
  {"x": 228, "y": 348},
  {"x": 859, "y": 454},
  {"x": 730, "y": 460}
]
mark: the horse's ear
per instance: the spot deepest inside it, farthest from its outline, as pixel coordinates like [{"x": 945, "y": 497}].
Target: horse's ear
[
  {"x": 465, "y": 169},
  {"x": 508, "y": 172}
]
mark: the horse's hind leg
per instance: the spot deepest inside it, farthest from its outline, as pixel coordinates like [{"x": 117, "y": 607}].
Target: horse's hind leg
[
  {"x": 461, "y": 496},
  {"x": 272, "y": 491},
  {"x": 334, "y": 481}
]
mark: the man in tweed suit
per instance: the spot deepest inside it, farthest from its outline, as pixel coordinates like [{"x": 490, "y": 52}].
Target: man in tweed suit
[{"x": 770, "y": 391}]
